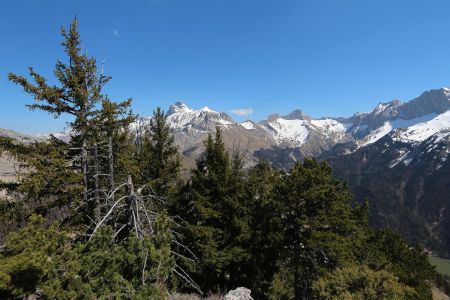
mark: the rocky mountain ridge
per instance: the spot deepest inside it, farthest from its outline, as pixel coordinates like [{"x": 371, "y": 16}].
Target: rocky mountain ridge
[{"x": 412, "y": 122}]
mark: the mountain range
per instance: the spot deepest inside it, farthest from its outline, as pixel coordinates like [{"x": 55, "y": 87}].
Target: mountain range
[
  {"x": 284, "y": 139},
  {"x": 396, "y": 155}
]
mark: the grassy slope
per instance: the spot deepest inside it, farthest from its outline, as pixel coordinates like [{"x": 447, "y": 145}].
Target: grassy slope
[{"x": 442, "y": 265}]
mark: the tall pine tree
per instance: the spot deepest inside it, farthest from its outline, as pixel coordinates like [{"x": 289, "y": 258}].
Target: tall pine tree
[
  {"x": 218, "y": 228},
  {"x": 79, "y": 92},
  {"x": 320, "y": 228},
  {"x": 159, "y": 158}
]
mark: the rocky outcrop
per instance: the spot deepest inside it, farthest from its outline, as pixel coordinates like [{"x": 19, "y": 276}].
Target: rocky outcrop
[{"x": 240, "y": 293}]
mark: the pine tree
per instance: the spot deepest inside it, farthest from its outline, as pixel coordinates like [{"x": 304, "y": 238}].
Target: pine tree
[
  {"x": 218, "y": 227},
  {"x": 46, "y": 178},
  {"x": 79, "y": 92},
  {"x": 111, "y": 132},
  {"x": 386, "y": 250},
  {"x": 320, "y": 228},
  {"x": 265, "y": 228},
  {"x": 160, "y": 162}
]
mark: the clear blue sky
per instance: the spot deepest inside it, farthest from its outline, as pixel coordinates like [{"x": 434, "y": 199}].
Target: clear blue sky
[{"x": 327, "y": 57}]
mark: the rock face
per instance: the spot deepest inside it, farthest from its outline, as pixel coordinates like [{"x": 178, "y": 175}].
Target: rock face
[
  {"x": 23, "y": 138},
  {"x": 240, "y": 293},
  {"x": 7, "y": 163}
]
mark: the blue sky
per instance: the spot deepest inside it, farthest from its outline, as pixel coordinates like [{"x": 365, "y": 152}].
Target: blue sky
[{"x": 327, "y": 57}]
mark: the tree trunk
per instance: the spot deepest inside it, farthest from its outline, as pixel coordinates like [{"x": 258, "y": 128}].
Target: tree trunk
[
  {"x": 84, "y": 163},
  {"x": 111, "y": 164},
  {"x": 131, "y": 206},
  {"x": 96, "y": 183}
]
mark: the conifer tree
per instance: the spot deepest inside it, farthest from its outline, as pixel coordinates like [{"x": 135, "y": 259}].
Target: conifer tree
[
  {"x": 111, "y": 125},
  {"x": 265, "y": 228},
  {"x": 218, "y": 229},
  {"x": 79, "y": 92},
  {"x": 320, "y": 228},
  {"x": 160, "y": 162}
]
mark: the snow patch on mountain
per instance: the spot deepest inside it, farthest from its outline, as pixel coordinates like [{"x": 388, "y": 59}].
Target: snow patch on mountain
[
  {"x": 417, "y": 129},
  {"x": 248, "y": 125},
  {"x": 180, "y": 115},
  {"x": 293, "y": 132},
  {"x": 422, "y": 131},
  {"x": 376, "y": 134},
  {"x": 331, "y": 127},
  {"x": 402, "y": 158}
]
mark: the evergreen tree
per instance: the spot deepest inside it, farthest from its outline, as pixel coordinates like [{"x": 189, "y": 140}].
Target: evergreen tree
[
  {"x": 386, "y": 250},
  {"x": 111, "y": 126},
  {"x": 45, "y": 176},
  {"x": 265, "y": 228},
  {"x": 217, "y": 228},
  {"x": 79, "y": 92},
  {"x": 43, "y": 261},
  {"x": 160, "y": 162},
  {"x": 320, "y": 228}
]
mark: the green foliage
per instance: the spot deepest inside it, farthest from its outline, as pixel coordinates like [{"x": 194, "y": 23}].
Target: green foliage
[
  {"x": 386, "y": 250},
  {"x": 27, "y": 258},
  {"x": 111, "y": 129},
  {"x": 265, "y": 231},
  {"x": 12, "y": 216},
  {"x": 80, "y": 176},
  {"x": 43, "y": 260},
  {"x": 361, "y": 283},
  {"x": 218, "y": 217},
  {"x": 320, "y": 227},
  {"x": 159, "y": 159},
  {"x": 80, "y": 84},
  {"x": 102, "y": 268}
]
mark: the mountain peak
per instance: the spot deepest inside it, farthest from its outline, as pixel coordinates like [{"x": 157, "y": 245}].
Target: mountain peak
[
  {"x": 206, "y": 109},
  {"x": 297, "y": 115},
  {"x": 177, "y": 107},
  {"x": 272, "y": 117},
  {"x": 384, "y": 106}
]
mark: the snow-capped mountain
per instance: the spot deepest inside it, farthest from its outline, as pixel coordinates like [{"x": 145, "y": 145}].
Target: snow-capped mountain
[
  {"x": 180, "y": 116},
  {"x": 411, "y": 122},
  {"x": 300, "y": 135},
  {"x": 191, "y": 127}
]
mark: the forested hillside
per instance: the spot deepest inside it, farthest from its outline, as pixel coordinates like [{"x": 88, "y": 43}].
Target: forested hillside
[{"x": 106, "y": 215}]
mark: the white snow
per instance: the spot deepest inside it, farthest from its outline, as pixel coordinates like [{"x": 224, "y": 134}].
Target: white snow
[
  {"x": 441, "y": 135},
  {"x": 446, "y": 91},
  {"x": 295, "y": 132},
  {"x": 248, "y": 125},
  {"x": 380, "y": 108},
  {"x": 421, "y": 131},
  {"x": 414, "y": 130},
  {"x": 206, "y": 109},
  {"x": 376, "y": 134},
  {"x": 403, "y": 155},
  {"x": 331, "y": 127},
  {"x": 183, "y": 115}
]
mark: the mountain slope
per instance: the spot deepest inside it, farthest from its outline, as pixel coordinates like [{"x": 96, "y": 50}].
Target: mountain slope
[{"x": 407, "y": 184}]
